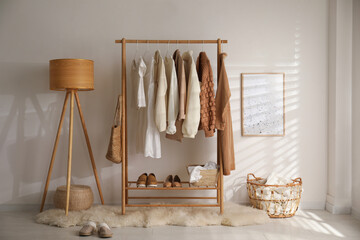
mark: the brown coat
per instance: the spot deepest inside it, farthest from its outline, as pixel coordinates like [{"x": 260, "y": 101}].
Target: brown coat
[
  {"x": 207, "y": 95},
  {"x": 223, "y": 120},
  {"x": 180, "y": 73}
]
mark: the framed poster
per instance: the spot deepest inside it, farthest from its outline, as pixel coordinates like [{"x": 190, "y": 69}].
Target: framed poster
[{"x": 263, "y": 104}]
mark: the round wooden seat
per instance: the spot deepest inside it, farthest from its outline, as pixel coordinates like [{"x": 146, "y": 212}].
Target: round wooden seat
[{"x": 81, "y": 197}]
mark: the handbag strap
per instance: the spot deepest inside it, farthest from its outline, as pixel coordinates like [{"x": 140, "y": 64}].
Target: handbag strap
[{"x": 118, "y": 113}]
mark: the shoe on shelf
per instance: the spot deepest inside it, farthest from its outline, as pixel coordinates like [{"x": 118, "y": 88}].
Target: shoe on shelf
[
  {"x": 176, "y": 182},
  {"x": 168, "y": 181},
  {"x": 141, "y": 182},
  {"x": 105, "y": 231},
  {"x": 151, "y": 180},
  {"x": 88, "y": 229}
]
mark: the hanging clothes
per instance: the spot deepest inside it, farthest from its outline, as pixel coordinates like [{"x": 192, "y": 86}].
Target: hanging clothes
[
  {"x": 180, "y": 74},
  {"x": 138, "y": 68},
  {"x": 140, "y": 91},
  {"x": 223, "y": 119},
  {"x": 207, "y": 95},
  {"x": 160, "y": 100},
  {"x": 192, "y": 118},
  {"x": 173, "y": 95},
  {"x": 152, "y": 135}
]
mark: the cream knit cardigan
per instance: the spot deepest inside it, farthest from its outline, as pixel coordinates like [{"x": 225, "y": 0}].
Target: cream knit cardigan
[
  {"x": 192, "y": 117},
  {"x": 160, "y": 101},
  {"x": 173, "y": 95}
]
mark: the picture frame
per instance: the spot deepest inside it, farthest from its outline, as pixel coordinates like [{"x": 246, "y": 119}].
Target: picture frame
[{"x": 263, "y": 104}]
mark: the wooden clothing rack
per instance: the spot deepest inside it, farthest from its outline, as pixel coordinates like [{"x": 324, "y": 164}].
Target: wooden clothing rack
[{"x": 131, "y": 185}]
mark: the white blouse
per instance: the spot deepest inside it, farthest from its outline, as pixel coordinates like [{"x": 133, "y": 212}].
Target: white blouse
[
  {"x": 173, "y": 95},
  {"x": 139, "y": 69},
  {"x": 152, "y": 136},
  {"x": 138, "y": 72}
]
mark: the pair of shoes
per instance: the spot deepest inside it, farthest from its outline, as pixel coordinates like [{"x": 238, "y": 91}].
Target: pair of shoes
[
  {"x": 171, "y": 181},
  {"x": 146, "y": 181},
  {"x": 90, "y": 229}
]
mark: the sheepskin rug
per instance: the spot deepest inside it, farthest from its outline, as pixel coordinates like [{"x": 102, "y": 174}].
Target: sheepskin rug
[{"x": 234, "y": 215}]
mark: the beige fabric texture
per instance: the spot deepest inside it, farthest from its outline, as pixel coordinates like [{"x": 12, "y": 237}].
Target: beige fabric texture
[
  {"x": 172, "y": 95},
  {"x": 105, "y": 232},
  {"x": 87, "y": 230},
  {"x": 234, "y": 215},
  {"x": 180, "y": 73},
  {"x": 192, "y": 118}
]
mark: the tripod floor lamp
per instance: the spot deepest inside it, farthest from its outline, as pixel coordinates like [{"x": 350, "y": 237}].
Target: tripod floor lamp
[{"x": 71, "y": 75}]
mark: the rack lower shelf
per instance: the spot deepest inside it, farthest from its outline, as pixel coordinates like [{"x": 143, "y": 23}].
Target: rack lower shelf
[
  {"x": 152, "y": 197},
  {"x": 132, "y": 186},
  {"x": 186, "y": 186},
  {"x": 172, "y": 205}
]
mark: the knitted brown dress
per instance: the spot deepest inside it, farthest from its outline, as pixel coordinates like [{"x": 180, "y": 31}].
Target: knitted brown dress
[{"x": 207, "y": 95}]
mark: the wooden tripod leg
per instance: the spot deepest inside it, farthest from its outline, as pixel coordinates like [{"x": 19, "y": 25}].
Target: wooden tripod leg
[
  {"x": 54, "y": 152},
  {"x": 68, "y": 180},
  {"x": 89, "y": 147}
]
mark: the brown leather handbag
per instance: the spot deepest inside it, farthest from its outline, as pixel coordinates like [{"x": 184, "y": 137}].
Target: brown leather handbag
[{"x": 114, "y": 152}]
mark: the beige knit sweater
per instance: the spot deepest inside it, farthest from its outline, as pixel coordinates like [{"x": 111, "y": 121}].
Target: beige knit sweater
[
  {"x": 161, "y": 86},
  {"x": 192, "y": 117},
  {"x": 180, "y": 73}
]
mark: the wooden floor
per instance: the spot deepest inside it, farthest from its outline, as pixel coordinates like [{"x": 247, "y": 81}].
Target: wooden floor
[{"x": 310, "y": 224}]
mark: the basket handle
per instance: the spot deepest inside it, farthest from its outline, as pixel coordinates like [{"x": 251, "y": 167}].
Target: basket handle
[
  {"x": 251, "y": 174},
  {"x": 299, "y": 180}
]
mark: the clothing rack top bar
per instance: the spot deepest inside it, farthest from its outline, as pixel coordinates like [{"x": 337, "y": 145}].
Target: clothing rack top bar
[{"x": 172, "y": 41}]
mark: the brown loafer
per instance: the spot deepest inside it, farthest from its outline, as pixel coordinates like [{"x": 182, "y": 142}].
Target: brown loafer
[
  {"x": 151, "y": 180},
  {"x": 176, "y": 182},
  {"x": 168, "y": 181},
  {"x": 105, "y": 231},
  {"x": 88, "y": 229},
  {"x": 141, "y": 182}
]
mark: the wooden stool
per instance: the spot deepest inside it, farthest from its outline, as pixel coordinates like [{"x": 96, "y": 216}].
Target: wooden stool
[{"x": 81, "y": 197}]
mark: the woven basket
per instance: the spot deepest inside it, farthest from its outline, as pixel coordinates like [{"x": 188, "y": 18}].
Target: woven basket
[
  {"x": 81, "y": 197},
  {"x": 208, "y": 177},
  {"x": 263, "y": 196}
]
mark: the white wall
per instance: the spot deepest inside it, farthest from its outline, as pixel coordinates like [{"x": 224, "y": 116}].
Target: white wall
[
  {"x": 279, "y": 36},
  {"x": 339, "y": 128},
  {"x": 356, "y": 112}
]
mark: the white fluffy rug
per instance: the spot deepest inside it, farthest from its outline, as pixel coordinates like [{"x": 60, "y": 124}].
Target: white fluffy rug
[{"x": 234, "y": 215}]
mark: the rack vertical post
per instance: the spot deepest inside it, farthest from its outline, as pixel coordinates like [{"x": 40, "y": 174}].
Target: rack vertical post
[{"x": 124, "y": 127}]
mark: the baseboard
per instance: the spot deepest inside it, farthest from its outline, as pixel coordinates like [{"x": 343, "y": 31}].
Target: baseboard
[
  {"x": 337, "y": 206},
  {"x": 22, "y": 207},
  {"x": 337, "y": 209},
  {"x": 355, "y": 213}
]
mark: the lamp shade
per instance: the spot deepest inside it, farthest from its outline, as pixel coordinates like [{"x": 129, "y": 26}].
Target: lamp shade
[{"x": 71, "y": 74}]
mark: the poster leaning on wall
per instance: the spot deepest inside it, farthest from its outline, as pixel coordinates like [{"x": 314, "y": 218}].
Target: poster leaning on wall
[{"x": 263, "y": 104}]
